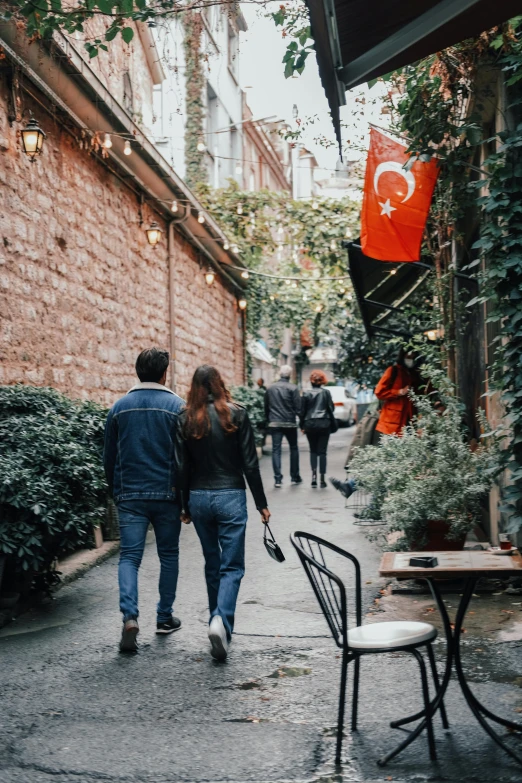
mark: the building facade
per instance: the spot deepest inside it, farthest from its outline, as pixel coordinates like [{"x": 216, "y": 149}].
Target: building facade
[{"x": 82, "y": 291}]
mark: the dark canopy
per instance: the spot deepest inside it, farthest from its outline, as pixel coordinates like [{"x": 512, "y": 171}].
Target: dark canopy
[
  {"x": 382, "y": 288},
  {"x": 359, "y": 40}
]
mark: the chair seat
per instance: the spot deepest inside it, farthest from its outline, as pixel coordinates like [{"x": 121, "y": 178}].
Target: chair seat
[{"x": 390, "y": 635}]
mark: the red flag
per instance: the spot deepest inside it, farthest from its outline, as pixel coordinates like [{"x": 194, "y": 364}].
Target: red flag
[{"x": 396, "y": 201}]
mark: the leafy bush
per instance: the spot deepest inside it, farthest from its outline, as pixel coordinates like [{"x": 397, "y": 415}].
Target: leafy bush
[
  {"x": 430, "y": 472},
  {"x": 254, "y": 401},
  {"x": 52, "y": 484}
]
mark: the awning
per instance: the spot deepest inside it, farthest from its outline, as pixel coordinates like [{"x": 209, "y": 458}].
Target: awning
[
  {"x": 359, "y": 40},
  {"x": 382, "y": 288},
  {"x": 257, "y": 350}
]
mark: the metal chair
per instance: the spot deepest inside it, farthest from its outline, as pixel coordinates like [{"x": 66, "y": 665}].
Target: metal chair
[{"x": 385, "y": 637}]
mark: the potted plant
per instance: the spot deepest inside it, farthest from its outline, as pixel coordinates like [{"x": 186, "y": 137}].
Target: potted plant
[{"x": 430, "y": 482}]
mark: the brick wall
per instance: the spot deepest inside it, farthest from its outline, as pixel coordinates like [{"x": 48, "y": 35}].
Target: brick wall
[{"x": 81, "y": 291}]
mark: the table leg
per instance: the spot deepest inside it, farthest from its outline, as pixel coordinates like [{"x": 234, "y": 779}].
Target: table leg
[{"x": 478, "y": 709}]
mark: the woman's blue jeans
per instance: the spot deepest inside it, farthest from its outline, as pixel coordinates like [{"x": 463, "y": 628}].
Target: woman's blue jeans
[
  {"x": 220, "y": 517},
  {"x": 134, "y": 517}
]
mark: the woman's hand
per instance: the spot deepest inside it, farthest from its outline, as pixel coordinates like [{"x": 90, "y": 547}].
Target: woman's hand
[
  {"x": 265, "y": 516},
  {"x": 403, "y": 392},
  {"x": 186, "y": 518}
]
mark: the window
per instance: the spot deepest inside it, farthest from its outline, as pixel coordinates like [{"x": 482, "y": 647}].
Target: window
[{"x": 233, "y": 50}]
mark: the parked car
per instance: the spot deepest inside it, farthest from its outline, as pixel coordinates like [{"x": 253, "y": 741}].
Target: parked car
[{"x": 345, "y": 406}]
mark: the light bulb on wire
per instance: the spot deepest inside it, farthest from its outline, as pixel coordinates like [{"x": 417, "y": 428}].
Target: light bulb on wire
[
  {"x": 201, "y": 146},
  {"x": 226, "y": 246},
  {"x": 201, "y": 217},
  {"x": 245, "y": 275},
  {"x": 239, "y": 209},
  {"x": 127, "y": 149},
  {"x": 174, "y": 206},
  {"x": 107, "y": 141}
]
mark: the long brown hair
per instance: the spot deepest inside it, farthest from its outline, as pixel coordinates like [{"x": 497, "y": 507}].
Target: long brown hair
[{"x": 207, "y": 382}]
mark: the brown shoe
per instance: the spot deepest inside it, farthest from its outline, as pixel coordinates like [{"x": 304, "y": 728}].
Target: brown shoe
[{"x": 129, "y": 633}]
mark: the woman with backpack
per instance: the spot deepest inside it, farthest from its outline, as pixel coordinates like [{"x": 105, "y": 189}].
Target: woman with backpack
[
  {"x": 215, "y": 452},
  {"x": 397, "y": 409},
  {"x": 317, "y": 421}
]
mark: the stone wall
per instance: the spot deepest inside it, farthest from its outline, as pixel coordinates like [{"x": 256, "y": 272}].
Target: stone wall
[{"x": 81, "y": 291}]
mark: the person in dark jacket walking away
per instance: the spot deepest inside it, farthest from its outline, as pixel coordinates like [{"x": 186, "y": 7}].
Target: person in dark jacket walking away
[
  {"x": 317, "y": 415},
  {"x": 282, "y": 407},
  {"x": 215, "y": 450},
  {"x": 139, "y": 465}
]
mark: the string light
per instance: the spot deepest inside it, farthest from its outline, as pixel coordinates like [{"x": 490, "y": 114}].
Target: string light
[
  {"x": 333, "y": 245},
  {"x": 235, "y": 249},
  {"x": 319, "y": 308},
  {"x": 315, "y": 205},
  {"x": 348, "y": 233},
  {"x": 393, "y": 271},
  {"x": 210, "y": 276},
  {"x": 174, "y": 207},
  {"x": 288, "y": 282},
  {"x": 239, "y": 209},
  {"x": 107, "y": 141},
  {"x": 271, "y": 297},
  {"x": 127, "y": 149},
  {"x": 242, "y": 304},
  {"x": 245, "y": 275},
  {"x": 201, "y": 217},
  {"x": 239, "y": 169},
  {"x": 294, "y": 284},
  {"x": 201, "y": 146},
  {"x": 226, "y": 246}
]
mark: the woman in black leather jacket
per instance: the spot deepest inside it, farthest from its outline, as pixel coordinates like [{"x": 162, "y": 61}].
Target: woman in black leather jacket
[
  {"x": 316, "y": 420},
  {"x": 215, "y": 452}
]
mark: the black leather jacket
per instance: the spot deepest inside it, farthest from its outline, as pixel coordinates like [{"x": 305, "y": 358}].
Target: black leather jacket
[
  {"x": 282, "y": 404},
  {"x": 218, "y": 460},
  {"x": 317, "y": 409}
]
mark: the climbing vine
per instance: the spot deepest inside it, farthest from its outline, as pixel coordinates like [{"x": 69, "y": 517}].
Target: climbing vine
[
  {"x": 195, "y": 162},
  {"x": 438, "y": 105},
  {"x": 297, "y": 239}
]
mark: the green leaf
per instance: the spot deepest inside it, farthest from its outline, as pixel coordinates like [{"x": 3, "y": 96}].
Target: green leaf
[{"x": 127, "y": 34}]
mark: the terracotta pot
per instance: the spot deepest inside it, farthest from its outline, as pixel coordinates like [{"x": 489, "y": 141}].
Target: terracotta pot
[{"x": 437, "y": 540}]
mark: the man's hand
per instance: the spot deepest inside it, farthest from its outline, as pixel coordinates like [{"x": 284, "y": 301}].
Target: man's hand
[
  {"x": 265, "y": 516},
  {"x": 186, "y": 518}
]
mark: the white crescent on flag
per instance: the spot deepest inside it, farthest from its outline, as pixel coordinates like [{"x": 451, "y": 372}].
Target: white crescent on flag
[{"x": 396, "y": 168}]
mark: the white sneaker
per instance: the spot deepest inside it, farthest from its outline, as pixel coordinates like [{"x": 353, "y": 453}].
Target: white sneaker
[{"x": 218, "y": 639}]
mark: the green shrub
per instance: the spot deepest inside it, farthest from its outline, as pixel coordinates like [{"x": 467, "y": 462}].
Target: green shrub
[
  {"x": 254, "y": 401},
  {"x": 430, "y": 472},
  {"x": 52, "y": 484}
]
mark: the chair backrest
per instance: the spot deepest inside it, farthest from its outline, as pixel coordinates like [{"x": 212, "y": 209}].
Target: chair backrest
[{"x": 329, "y": 588}]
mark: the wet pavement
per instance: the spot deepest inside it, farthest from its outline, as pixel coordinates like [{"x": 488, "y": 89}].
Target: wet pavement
[{"x": 73, "y": 709}]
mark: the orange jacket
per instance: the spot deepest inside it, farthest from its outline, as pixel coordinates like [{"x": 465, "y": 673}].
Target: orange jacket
[{"x": 396, "y": 411}]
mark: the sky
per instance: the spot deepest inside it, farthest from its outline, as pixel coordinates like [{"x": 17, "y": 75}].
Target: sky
[{"x": 269, "y": 93}]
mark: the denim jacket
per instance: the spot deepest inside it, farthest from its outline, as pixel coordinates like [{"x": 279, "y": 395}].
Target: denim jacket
[{"x": 138, "y": 454}]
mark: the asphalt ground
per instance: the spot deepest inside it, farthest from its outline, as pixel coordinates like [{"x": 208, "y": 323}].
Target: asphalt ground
[{"x": 72, "y": 709}]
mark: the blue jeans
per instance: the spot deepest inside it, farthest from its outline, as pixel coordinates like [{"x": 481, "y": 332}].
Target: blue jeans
[
  {"x": 277, "y": 441},
  {"x": 134, "y": 517},
  {"x": 220, "y": 518}
]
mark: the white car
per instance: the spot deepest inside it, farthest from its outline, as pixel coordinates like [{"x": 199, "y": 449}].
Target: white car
[{"x": 345, "y": 407}]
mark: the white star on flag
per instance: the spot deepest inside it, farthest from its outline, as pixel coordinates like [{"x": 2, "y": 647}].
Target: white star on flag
[{"x": 387, "y": 208}]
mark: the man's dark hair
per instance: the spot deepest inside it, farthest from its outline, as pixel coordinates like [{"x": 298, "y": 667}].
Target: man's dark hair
[{"x": 151, "y": 365}]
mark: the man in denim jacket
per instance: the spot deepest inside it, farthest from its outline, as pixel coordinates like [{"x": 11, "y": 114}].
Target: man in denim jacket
[{"x": 139, "y": 465}]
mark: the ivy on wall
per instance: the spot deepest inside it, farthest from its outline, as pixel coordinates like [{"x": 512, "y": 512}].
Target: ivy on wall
[
  {"x": 437, "y": 104},
  {"x": 195, "y": 165}
]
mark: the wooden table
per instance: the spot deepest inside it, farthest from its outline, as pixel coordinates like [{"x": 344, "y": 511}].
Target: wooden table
[{"x": 469, "y": 566}]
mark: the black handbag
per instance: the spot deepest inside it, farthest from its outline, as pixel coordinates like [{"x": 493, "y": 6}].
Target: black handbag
[{"x": 272, "y": 547}]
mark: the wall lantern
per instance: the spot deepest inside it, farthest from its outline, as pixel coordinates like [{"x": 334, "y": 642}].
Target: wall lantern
[
  {"x": 154, "y": 233},
  {"x": 210, "y": 276},
  {"x": 242, "y": 304},
  {"x": 32, "y": 139}
]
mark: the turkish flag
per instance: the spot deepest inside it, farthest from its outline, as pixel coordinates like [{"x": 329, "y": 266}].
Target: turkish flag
[{"x": 396, "y": 201}]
